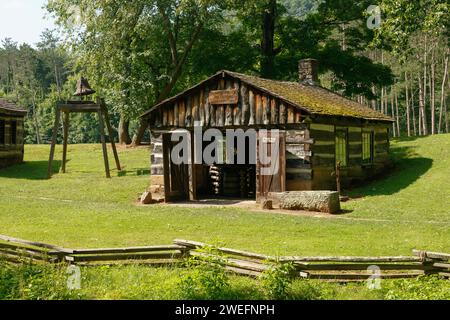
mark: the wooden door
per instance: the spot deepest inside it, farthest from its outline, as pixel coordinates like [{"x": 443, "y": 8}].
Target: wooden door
[
  {"x": 176, "y": 177},
  {"x": 270, "y": 175}
]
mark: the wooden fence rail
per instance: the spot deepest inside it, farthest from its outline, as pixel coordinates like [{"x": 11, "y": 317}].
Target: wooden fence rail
[{"x": 326, "y": 268}]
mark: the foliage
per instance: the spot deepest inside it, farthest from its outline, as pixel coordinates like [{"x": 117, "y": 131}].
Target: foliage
[
  {"x": 424, "y": 287},
  {"x": 34, "y": 282},
  {"x": 206, "y": 276},
  {"x": 277, "y": 279},
  {"x": 402, "y": 19}
]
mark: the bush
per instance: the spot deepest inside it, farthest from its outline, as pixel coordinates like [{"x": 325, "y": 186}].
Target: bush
[
  {"x": 430, "y": 287},
  {"x": 277, "y": 279},
  {"x": 206, "y": 276},
  {"x": 34, "y": 282}
]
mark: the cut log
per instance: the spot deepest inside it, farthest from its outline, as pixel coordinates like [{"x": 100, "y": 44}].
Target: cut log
[{"x": 321, "y": 201}]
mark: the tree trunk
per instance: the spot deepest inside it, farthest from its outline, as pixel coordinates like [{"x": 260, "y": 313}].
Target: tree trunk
[
  {"x": 267, "y": 42},
  {"x": 394, "y": 132},
  {"x": 424, "y": 92},
  {"x": 36, "y": 121},
  {"x": 422, "y": 126},
  {"x": 397, "y": 119},
  {"x": 432, "y": 95},
  {"x": 373, "y": 102},
  {"x": 413, "y": 108},
  {"x": 444, "y": 79},
  {"x": 124, "y": 132},
  {"x": 408, "y": 120}
]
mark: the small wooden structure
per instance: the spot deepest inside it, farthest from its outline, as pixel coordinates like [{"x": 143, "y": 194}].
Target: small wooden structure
[
  {"x": 318, "y": 130},
  {"x": 68, "y": 107},
  {"x": 11, "y": 133}
]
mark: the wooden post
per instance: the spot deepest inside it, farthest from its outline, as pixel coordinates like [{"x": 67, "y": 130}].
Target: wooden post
[
  {"x": 192, "y": 171},
  {"x": 102, "y": 104},
  {"x": 53, "y": 145},
  {"x": 102, "y": 137},
  {"x": 338, "y": 177},
  {"x": 166, "y": 161},
  {"x": 66, "y": 134}
]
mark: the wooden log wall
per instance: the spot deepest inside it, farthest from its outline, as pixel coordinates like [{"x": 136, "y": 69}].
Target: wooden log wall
[
  {"x": 156, "y": 157},
  {"x": 298, "y": 160},
  {"x": 324, "y": 150},
  {"x": 254, "y": 108},
  {"x": 10, "y": 152}
]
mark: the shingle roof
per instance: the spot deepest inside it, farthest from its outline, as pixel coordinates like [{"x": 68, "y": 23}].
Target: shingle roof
[
  {"x": 10, "y": 107},
  {"x": 313, "y": 99}
]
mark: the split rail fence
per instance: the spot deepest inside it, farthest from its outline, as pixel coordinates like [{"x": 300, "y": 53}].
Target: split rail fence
[{"x": 327, "y": 268}]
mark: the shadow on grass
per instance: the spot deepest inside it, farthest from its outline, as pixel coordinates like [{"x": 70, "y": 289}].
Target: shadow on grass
[
  {"x": 134, "y": 172},
  {"x": 408, "y": 167},
  {"x": 32, "y": 170}
]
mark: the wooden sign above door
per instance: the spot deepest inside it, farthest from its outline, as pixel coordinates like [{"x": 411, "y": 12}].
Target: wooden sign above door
[{"x": 224, "y": 97}]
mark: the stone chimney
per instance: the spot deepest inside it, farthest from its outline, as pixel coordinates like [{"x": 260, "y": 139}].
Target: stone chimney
[{"x": 308, "y": 71}]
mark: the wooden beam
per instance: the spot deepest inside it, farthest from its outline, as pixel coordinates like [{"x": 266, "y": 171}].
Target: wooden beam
[
  {"x": 79, "y": 108},
  {"x": 66, "y": 134},
  {"x": 53, "y": 145},
  {"x": 166, "y": 164},
  {"x": 103, "y": 140},
  {"x": 110, "y": 134}
]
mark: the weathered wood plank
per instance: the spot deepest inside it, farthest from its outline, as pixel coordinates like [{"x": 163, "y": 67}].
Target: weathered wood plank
[
  {"x": 266, "y": 109},
  {"x": 237, "y": 112},
  {"x": 283, "y": 113},
  {"x": 259, "y": 109},
  {"x": 182, "y": 112},
  {"x": 129, "y": 249},
  {"x": 362, "y": 266},
  {"x": 274, "y": 111},
  {"x": 35, "y": 244},
  {"x": 351, "y": 276},
  {"x": 290, "y": 115},
  {"x": 252, "y": 105},
  {"x": 195, "y": 244},
  {"x": 432, "y": 255},
  {"x": 176, "y": 120},
  {"x": 353, "y": 259},
  {"x": 131, "y": 256},
  {"x": 245, "y": 113},
  {"x": 188, "y": 117}
]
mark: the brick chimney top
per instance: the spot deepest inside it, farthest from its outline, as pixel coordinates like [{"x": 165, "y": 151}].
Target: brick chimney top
[{"x": 308, "y": 71}]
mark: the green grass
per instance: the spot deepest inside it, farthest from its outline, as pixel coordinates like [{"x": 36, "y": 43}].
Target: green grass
[{"x": 410, "y": 208}]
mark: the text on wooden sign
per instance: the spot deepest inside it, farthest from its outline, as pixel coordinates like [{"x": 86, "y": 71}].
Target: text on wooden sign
[{"x": 224, "y": 97}]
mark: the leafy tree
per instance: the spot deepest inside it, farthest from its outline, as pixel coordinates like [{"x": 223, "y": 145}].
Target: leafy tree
[{"x": 135, "y": 51}]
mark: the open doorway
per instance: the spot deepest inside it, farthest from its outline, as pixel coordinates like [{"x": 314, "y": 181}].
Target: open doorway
[{"x": 229, "y": 181}]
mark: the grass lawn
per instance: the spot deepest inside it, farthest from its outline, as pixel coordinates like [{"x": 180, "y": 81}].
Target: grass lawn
[{"x": 408, "y": 209}]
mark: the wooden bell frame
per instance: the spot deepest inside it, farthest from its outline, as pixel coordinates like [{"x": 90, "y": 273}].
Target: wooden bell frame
[{"x": 68, "y": 107}]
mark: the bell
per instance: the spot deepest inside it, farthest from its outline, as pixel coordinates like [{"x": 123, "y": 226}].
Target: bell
[{"x": 83, "y": 88}]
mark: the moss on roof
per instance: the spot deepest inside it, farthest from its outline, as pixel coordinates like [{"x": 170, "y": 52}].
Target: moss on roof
[
  {"x": 10, "y": 107},
  {"x": 314, "y": 99}
]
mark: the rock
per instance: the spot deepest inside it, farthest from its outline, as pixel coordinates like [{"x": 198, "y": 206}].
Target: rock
[
  {"x": 156, "y": 189},
  {"x": 147, "y": 198},
  {"x": 267, "y": 205},
  {"x": 321, "y": 201}
]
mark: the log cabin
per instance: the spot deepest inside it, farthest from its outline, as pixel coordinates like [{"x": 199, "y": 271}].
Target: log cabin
[
  {"x": 318, "y": 130},
  {"x": 11, "y": 133}
]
